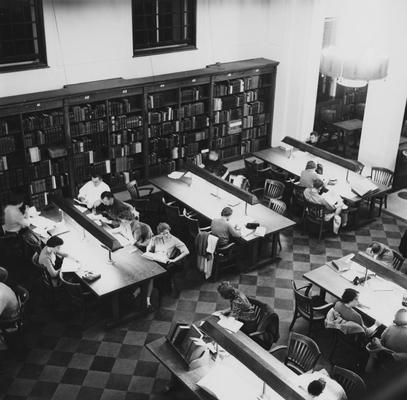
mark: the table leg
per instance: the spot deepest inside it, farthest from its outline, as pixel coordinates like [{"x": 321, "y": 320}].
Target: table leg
[
  {"x": 274, "y": 242},
  {"x": 115, "y": 307}
]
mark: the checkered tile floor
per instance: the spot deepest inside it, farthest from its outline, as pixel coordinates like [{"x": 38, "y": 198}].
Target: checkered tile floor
[{"x": 64, "y": 362}]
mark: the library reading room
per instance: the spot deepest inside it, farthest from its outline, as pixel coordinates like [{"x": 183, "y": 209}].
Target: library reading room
[{"x": 203, "y": 199}]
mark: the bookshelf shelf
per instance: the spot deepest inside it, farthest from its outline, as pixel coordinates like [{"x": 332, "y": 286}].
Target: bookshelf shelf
[{"x": 133, "y": 129}]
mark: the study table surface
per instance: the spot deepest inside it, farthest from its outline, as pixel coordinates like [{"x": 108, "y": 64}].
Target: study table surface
[
  {"x": 379, "y": 300},
  {"x": 296, "y": 163},
  {"x": 198, "y": 197}
]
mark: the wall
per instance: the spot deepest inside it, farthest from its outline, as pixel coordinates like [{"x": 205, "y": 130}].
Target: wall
[{"x": 92, "y": 39}]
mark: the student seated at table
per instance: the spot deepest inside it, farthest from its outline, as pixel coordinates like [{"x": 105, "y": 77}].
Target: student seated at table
[
  {"x": 215, "y": 166},
  {"x": 169, "y": 249},
  {"x": 135, "y": 231},
  {"x": 111, "y": 207},
  {"x": 345, "y": 318},
  {"x": 14, "y": 219},
  {"x": 311, "y": 172},
  {"x": 51, "y": 258},
  {"x": 8, "y": 299},
  {"x": 321, "y": 386},
  {"x": 91, "y": 191},
  {"x": 394, "y": 338},
  {"x": 380, "y": 252},
  {"x": 223, "y": 229},
  {"x": 332, "y": 202},
  {"x": 240, "y": 307}
]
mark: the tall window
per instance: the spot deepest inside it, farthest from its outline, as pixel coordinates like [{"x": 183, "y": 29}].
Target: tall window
[
  {"x": 163, "y": 25},
  {"x": 22, "y": 41}
]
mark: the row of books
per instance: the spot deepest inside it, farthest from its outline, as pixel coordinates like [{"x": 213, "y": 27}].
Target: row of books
[
  {"x": 124, "y": 164},
  {"x": 125, "y": 150},
  {"x": 236, "y": 86},
  {"x": 223, "y": 116},
  {"x": 127, "y": 136},
  {"x": 163, "y": 129},
  {"x": 88, "y": 127},
  {"x": 83, "y": 113},
  {"x": 252, "y": 133},
  {"x": 117, "y": 107},
  {"x": 254, "y": 120},
  {"x": 83, "y": 172},
  {"x": 39, "y": 201},
  {"x": 227, "y": 102},
  {"x": 168, "y": 114},
  {"x": 192, "y": 94},
  {"x": 189, "y": 110},
  {"x": 12, "y": 178},
  {"x": 7, "y": 145},
  {"x": 255, "y": 107},
  {"x": 162, "y": 168},
  {"x": 85, "y": 158},
  {"x": 80, "y": 146},
  {"x": 250, "y": 146},
  {"x": 43, "y": 121},
  {"x": 161, "y": 99},
  {"x": 125, "y": 121},
  {"x": 196, "y": 122},
  {"x": 47, "y": 136},
  {"x": 226, "y": 141},
  {"x": 47, "y": 184},
  {"x": 4, "y": 129},
  {"x": 122, "y": 178},
  {"x": 231, "y": 151},
  {"x": 251, "y": 95}
]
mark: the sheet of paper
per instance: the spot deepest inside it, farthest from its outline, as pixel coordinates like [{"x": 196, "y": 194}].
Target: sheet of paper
[
  {"x": 260, "y": 231},
  {"x": 70, "y": 266},
  {"x": 41, "y": 232},
  {"x": 175, "y": 175},
  {"x": 155, "y": 257},
  {"x": 230, "y": 323},
  {"x": 42, "y": 222},
  {"x": 80, "y": 208}
]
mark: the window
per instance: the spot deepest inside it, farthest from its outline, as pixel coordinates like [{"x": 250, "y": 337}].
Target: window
[
  {"x": 22, "y": 41},
  {"x": 163, "y": 25}
]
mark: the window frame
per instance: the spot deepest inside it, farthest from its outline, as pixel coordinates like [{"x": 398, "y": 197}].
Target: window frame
[
  {"x": 170, "y": 48},
  {"x": 42, "y": 52}
]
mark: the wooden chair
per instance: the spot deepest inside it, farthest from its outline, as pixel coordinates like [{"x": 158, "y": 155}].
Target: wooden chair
[
  {"x": 139, "y": 201},
  {"x": 191, "y": 228},
  {"x": 226, "y": 258},
  {"x": 255, "y": 173},
  {"x": 17, "y": 322},
  {"x": 298, "y": 200},
  {"x": 384, "y": 177},
  {"x": 279, "y": 207},
  {"x": 267, "y": 331},
  {"x": 272, "y": 190},
  {"x": 301, "y": 354},
  {"x": 305, "y": 306},
  {"x": 49, "y": 291},
  {"x": 352, "y": 383},
  {"x": 315, "y": 213},
  {"x": 398, "y": 260},
  {"x": 173, "y": 216}
]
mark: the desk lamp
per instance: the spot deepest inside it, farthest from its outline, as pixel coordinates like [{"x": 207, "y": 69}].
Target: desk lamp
[{"x": 110, "y": 260}]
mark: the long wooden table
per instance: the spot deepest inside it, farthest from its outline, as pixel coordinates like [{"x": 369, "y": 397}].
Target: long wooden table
[
  {"x": 380, "y": 297},
  {"x": 280, "y": 380},
  {"x": 197, "y": 194},
  {"x": 127, "y": 270}
]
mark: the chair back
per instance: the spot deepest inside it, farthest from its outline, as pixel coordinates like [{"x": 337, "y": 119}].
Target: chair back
[
  {"x": 303, "y": 303},
  {"x": 298, "y": 194},
  {"x": 273, "y": 189},
  {"x": 45, "y": 276},
  {"x": 360, "y": 166},
  {"x": 352, "y": 383},
  {"x": 382, "y": 175},
  {"x": 23, "y": 296},
  {"x": 252, "y": 167},
  {"x": 302, "y": 353},
  {"x": 278, "y": 206},
  {"x": 74, "y": 290},
  {"x": 3, "y": 274},
  {"x": 315, "y": 212},
  {"x": 132, "y": 188},
  {"x": 398, "y": 260}
]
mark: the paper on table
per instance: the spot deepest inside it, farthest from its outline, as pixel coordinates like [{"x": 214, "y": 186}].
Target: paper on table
[
  {"x": 159, "y": 257},
  {"x": 230, "y": 323},
  {"x": 42, "y": 222},
  {"x": 80, "y": 208},
  {"x": 260, "y": 231},
  {"x": 175, "y": 175},
  {"x": 69, "y": 266},
  {"x": 40, "y": 231},
  {"x": 350, "y": 275}
]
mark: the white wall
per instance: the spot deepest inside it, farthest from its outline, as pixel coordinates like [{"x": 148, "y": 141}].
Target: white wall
[{"x": 90, "y": 40}]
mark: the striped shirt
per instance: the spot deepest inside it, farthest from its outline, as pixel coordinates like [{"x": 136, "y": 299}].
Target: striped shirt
[{"x": 241, "y": 308}]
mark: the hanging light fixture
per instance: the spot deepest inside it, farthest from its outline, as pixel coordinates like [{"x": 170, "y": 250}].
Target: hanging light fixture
[{"x": 351, "y": 68}]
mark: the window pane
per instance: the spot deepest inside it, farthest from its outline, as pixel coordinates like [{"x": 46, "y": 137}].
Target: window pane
[
  {"x": 144, "y": 39},
  {"x": 7, "y": 49}
]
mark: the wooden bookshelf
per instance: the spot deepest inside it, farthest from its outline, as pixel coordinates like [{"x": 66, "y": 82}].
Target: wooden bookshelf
[{"x": 133, "y": 128}]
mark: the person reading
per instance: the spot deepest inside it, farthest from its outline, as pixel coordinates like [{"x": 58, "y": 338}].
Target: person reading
[
  {"x": 51, "y": 258},
  {"x": 311, "y": 172},
  {"x": 91, "y": 191},
  {"x": 111, "y": 208},
  {"x": 223, "y": 229},
  {"x": 380, "y": 252},
  {"x": 215, "y": 166},
  {"x": 14, "y": 219}
]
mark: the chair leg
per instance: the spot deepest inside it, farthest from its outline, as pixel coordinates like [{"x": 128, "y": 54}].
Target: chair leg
[
  {"x": 320, "y": 230},
  {"x": 279, "y": 241},
  {"x": 293, "y": 321},
  {"x": 380, "y": 206}
]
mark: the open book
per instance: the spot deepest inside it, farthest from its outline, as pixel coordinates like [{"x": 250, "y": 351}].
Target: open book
[
  {"x": 159, "y": 257},
  {"x": 364, "y": 187}
]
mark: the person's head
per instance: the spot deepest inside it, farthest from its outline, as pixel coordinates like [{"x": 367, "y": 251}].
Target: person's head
[
  {"x": 54, "y": 243},
  {"x": 107, "y": 198},
  {"x": 350, "y": 297},
  {"x": 317, "y": 184},
  {"x": 400, "y": 318},
  {"x": 163, "y": 229},
  {"x": 375, "y": 248},
  {"x": 311, "y": 165},
  {"x": 213, "y": 155},
  {"x": 126, "y": 216},
  {"x": 96, "y": 179},
  {"x": 16, "y": 199},
  {"x": 316, "y": 387},
  {"x": 313, "y": 137},
  {"x": 227, "y": 291},
  {"x": 226, "y": 213}
]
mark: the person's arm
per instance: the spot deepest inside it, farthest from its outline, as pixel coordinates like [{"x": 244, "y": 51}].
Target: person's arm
[
  {"x": 82, "y": 193},
  {"x": 66, "y": 255},
  {"x": 151, "y": 246},
  {"x": 183, "y": 251},
  {"x": 233, "y": 232},
  {"x": 50, "y": 268}
]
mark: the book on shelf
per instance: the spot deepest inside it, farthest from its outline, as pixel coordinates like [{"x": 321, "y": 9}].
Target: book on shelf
[
  {"x": 3, "y": 163},
  {"x": 35, "y": 154}
]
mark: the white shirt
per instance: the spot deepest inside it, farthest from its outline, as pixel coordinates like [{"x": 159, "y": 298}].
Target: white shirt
[
  {"x": 92, "y": 193},
  {"x": 332, "y": 391}
]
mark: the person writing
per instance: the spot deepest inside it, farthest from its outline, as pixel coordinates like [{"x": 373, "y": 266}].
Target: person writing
[
  {"x": 14, "y": 219},
  {"x": 51, "y": 258},
  {"x": 240, "y": 307},
  {"x": 91, "y": 191},
  {"x": 380, "y": 252},
  {"x": 223, "y": 229},
  {"x": 215, "y": 166},
  {"x": 111, "y": 207},
  {"x": 311, "y": 172},
  {"x": 332, "y": 201}
]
